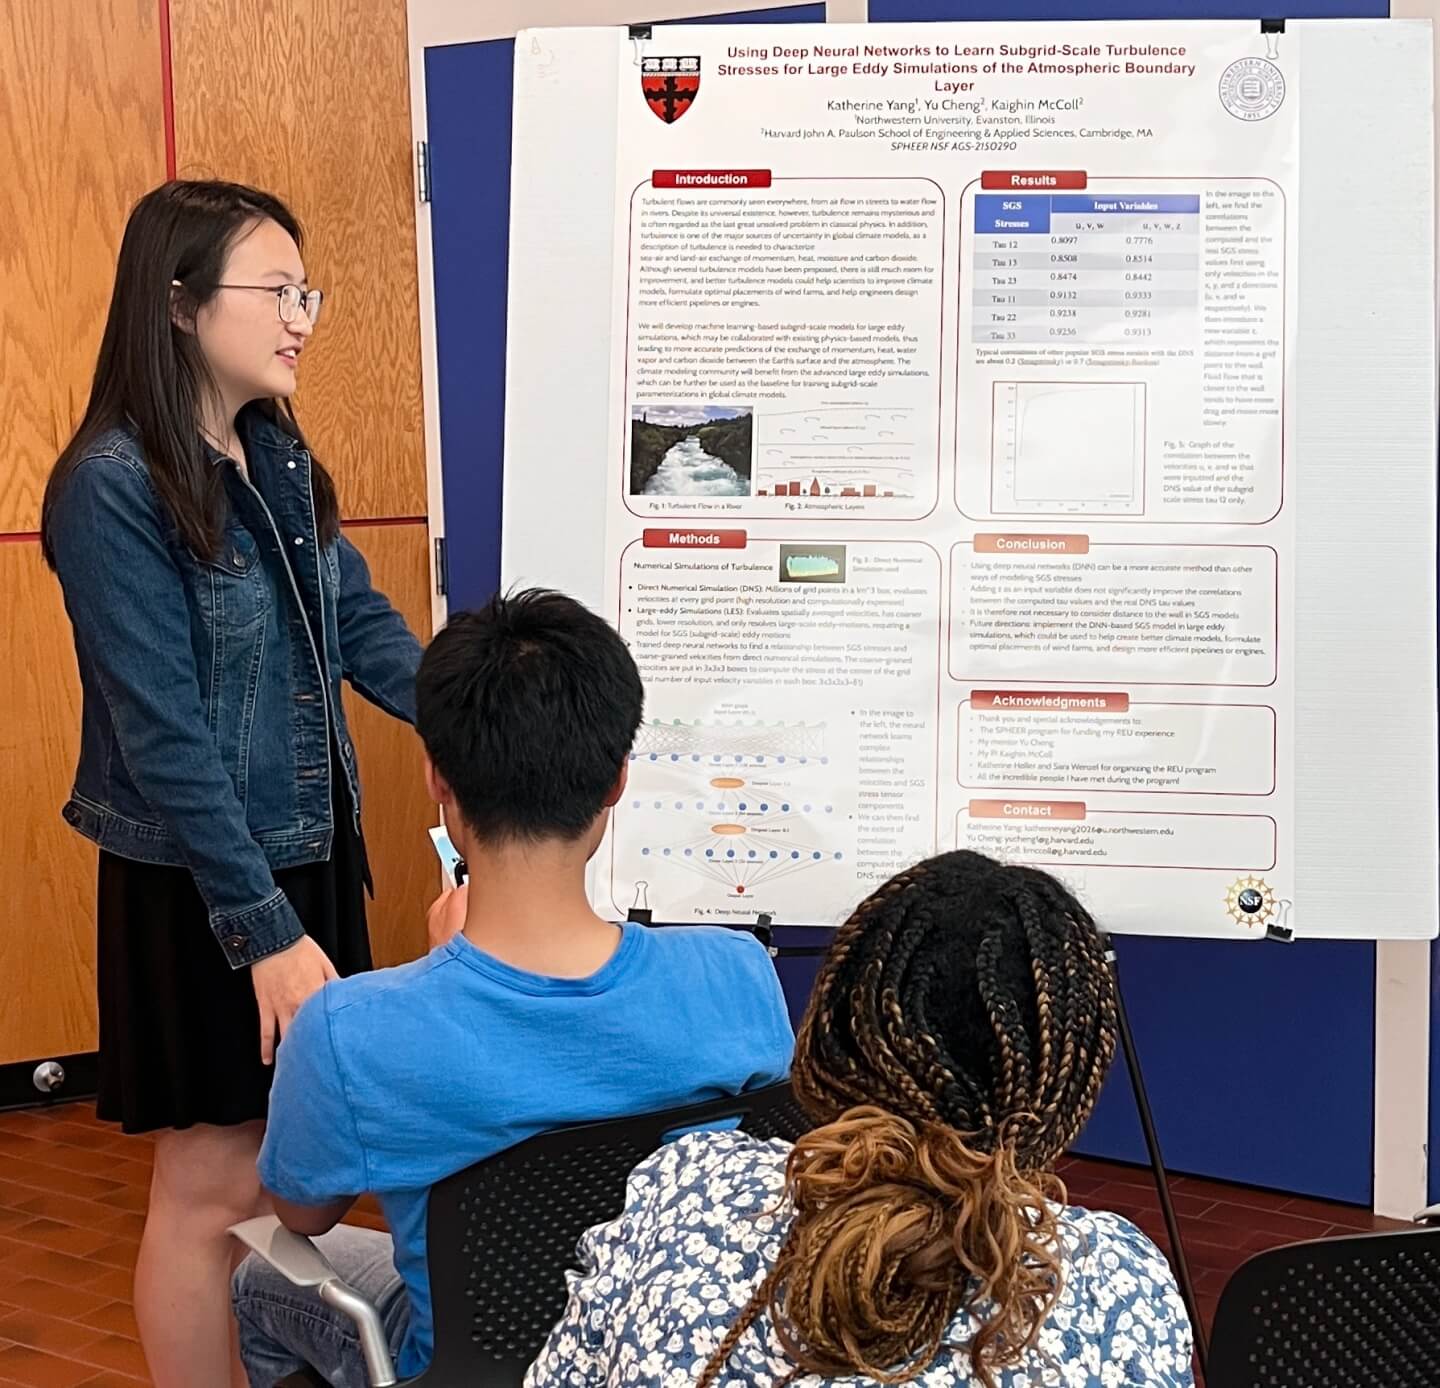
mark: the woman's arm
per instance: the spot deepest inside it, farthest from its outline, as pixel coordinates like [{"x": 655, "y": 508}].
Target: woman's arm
[
  {"x": 126, "y": 599},
  {"x": 379, "y": 652},
  {"x": 1146, "y": 1336}
]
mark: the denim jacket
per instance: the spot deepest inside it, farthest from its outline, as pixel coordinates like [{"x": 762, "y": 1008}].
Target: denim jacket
[{"x": 212, "y": 689}]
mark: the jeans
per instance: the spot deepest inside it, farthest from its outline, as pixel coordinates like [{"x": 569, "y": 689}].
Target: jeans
[{"x": 284, "y": 1328}]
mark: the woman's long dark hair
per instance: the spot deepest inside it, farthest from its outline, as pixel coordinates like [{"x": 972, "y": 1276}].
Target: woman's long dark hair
[
  {"x": 954, "y": 1046},
  {"x": 151, "y": 377}
]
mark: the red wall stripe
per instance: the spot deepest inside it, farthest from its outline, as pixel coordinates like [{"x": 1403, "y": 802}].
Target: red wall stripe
[
  {"x": 13, "y": 537},
  {"x": 167, "y": 89}
]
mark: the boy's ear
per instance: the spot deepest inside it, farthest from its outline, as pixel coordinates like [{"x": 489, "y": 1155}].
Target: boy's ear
[
  {"x": 437, "y": 785},
  {"x": 618, "y": 789}
]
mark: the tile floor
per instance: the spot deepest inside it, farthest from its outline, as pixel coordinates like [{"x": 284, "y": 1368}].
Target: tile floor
[
  {"x": 72, "y": 1196},
  {"x": 1221, "y": 1224}
]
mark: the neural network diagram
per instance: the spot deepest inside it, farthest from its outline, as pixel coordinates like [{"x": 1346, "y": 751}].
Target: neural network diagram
[{"x": 740, "y": 803}]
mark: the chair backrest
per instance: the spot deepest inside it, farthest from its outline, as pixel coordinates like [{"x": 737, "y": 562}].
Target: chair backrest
[
  {"x": 1334, "y": 1313},
  {"x": 503, "y": 1232}
]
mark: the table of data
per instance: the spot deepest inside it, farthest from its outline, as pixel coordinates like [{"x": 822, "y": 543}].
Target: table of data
[{"x": 1086, "y": 267}]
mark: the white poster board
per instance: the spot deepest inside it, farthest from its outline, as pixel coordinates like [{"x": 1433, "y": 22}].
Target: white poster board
[{"x": 1018, "y": 437}]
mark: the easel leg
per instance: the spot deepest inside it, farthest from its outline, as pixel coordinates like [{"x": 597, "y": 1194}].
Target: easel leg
[{"x": 1157, "y": 1165}]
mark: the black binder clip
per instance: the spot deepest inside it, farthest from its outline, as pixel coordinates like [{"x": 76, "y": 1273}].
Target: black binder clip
[
  {"x": 764, "y": 932},
  {"x": 640, "y": 913},
  {"x": 1280, "y": 928}
]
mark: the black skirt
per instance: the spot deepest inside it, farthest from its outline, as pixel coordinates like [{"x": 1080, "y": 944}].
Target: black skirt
[{"x": 179, "y": 1028}]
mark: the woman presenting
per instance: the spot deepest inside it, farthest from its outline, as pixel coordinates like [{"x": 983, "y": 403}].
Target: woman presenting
[{"x": 216, "y": 607}]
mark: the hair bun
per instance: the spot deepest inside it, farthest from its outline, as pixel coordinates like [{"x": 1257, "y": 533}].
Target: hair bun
[
  {"x": 865, "y": 1146},
  {"x": 896, "y": 1224},
  {"x": 901, "y": 1193}
]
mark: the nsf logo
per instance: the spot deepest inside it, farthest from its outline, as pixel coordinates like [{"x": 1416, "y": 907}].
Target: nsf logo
[
  {"x": 1252, "y": 89},
  {"x": 1251, "y": 901}
]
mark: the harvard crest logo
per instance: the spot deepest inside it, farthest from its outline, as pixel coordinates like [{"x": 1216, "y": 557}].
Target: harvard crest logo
[{"x": 670, "y": 85}]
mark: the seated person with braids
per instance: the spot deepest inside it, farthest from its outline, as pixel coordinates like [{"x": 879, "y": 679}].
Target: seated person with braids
[{"x": 955, "y": 1043}]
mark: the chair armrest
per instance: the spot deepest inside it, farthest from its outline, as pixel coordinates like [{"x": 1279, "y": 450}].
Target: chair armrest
[
  {"x": 293, "y": 1256},
  {"x": 297, "y": 1260},
  {"x": 1430, "y": 1215}
]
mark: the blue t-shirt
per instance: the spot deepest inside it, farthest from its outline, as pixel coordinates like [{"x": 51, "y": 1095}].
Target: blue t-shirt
[{"x": 390, "y": 1081}]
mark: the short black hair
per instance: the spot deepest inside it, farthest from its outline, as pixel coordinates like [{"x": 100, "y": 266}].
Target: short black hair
[{"x": 528, "y": 709}]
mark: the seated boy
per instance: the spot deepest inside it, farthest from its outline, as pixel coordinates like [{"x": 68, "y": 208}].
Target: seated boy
[{"x": 537, "y": 1014}]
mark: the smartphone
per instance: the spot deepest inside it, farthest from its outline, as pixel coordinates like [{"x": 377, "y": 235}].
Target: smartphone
[{"x": 451, "y": 863}]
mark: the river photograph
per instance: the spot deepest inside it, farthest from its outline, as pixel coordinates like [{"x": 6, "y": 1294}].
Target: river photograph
[{"x": 691, "y": 450}]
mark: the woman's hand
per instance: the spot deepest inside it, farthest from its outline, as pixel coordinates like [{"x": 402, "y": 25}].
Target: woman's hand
[
  {"x": 282, "y": 982},
  {"x": 446, "y": 916}
]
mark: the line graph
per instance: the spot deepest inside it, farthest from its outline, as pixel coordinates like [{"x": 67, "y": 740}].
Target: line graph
[{"x": 1068, "y": 448}]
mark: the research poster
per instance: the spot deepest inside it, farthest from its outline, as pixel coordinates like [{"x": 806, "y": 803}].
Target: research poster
[{"x": 950, "y": 504}]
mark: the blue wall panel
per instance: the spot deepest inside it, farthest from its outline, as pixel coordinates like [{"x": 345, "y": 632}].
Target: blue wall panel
[
  {"x": 1259, "y": 1061},
  {"x": 904, "y": 11},
  {"x": 786, "y": 14},
  {"x": 1285, "y": 1104},
  {"x": 468, "y": 94},
  {"x": 1434, "y": 1147}
]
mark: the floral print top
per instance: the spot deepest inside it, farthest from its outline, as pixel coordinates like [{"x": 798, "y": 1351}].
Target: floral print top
[{"x": 704, "y": 1220}]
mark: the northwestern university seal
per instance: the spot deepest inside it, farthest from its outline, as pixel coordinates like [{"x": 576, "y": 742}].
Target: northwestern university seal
[{"x": 1252, "y": 89}]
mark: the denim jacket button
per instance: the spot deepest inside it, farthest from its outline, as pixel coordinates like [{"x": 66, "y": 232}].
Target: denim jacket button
[
  {"x": 235, "y": 942},
  {"x": 237, "y": 561},
  {"x": 291, "y": 464},
  {"x": 299, "y": 539}
]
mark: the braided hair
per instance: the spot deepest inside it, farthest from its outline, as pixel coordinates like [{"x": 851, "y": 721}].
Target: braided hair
[{"x": 954, "y": 1046}]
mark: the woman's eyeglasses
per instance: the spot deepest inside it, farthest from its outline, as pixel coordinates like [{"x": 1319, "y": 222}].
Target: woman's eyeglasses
[{"x": 290, "y": 299}]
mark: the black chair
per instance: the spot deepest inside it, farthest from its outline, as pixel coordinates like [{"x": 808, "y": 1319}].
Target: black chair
[
  {"x": 1355, "y": 1312},
  {"x": 502, "y": 1233}
]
